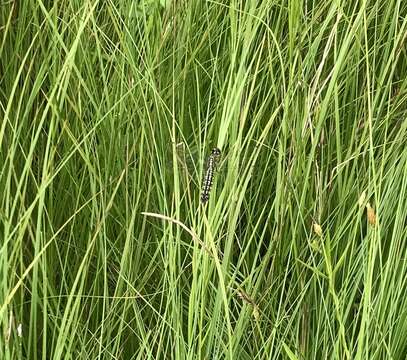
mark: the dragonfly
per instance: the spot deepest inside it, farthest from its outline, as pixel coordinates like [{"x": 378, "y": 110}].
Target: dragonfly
[
  {"x": 200, "y": 169},
  {"x": 195, "y": 164},
  {"x": 209, "y": 173}
]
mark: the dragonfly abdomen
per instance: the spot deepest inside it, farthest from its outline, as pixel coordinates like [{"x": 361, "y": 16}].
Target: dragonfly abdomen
[{"x": 208, "y": 178}]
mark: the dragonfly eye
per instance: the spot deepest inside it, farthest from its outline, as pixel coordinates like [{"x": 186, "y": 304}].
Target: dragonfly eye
[{"x": 215, "y": 151}]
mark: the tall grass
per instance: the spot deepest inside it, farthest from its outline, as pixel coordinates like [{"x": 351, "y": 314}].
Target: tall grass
[{"x": 108, "y": 111}]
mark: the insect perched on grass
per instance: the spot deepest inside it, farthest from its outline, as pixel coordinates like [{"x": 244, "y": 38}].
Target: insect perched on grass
[{"x": 208, "y": 178}]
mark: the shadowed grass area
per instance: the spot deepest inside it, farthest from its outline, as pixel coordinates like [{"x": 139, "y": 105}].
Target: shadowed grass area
[{"x": 109, "y": 110}]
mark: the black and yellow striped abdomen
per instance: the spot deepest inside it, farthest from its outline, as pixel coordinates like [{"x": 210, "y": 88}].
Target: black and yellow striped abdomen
[{"x": 208, "y": 177}]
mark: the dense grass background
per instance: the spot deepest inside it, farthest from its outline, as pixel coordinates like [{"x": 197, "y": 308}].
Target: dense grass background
[{"x": 109, "y": 108}]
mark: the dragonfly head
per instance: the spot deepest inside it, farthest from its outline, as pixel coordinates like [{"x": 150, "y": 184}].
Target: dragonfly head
[{"x": 215, "y": 151}]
